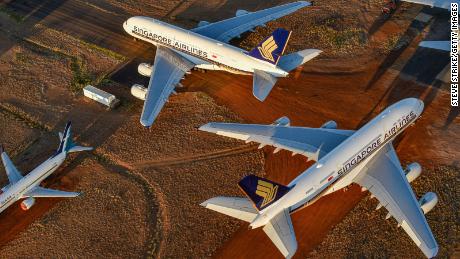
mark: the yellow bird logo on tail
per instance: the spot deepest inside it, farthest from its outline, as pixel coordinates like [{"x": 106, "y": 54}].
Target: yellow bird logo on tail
[
  {"x": 267, "y": 48},
  {"x": 267, "y": 191}
]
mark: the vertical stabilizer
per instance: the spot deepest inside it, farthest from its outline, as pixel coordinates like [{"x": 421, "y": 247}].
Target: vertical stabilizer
[
  {"x": 272, "y": 48},
  {"x": 262, "y": 192}
]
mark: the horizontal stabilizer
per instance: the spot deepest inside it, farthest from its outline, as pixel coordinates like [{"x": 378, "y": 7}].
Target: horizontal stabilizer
[
  {"x": 263, "y": 83},
  {"x": 40, "y": 192},
  {"x": 237, "y": 207},
  {"x": 79, "y": 149},
  {"x": 293, "y": 60},
  {"x": 281, "y": 233},
  {"x": 262, "y": 192}
]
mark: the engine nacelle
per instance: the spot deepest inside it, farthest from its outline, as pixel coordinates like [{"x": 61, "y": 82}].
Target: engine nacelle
[
  {"x": 413, "y": 171},
  {"x": 329, "y": 125},
  {"x": 139, "y": 91},
  {"x": 203, "y": 23},
  {"x": 283, "y": 121},
  {"x": 144, "y": 69},
  {"x": 27, "y": 203},
  {"x": 428, "y": 201},
  {"x": 241, "y": 12}
]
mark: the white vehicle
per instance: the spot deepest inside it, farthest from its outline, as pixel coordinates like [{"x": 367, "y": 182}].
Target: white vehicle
[
  {"x": 444, "y": 4},
  {"x": 28, "y": 187},
  {"x": 365, "y": 157},
  {"x": 206, "y": 47}
]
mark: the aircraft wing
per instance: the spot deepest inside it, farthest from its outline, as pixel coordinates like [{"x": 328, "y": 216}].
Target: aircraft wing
[
  {"x": 40, "y": 192},
  {"x": 313, "y": 143},
  {"x": 445, "y": 4},
  {"x": 226, "y": 30},
  {"x": 11, "y": 171},
  {"x": 281, "y": 232},
  {"x": 385, "y": 179},
  {"x": 168, "y": 70},
  {"x": 441, "y": 45}
]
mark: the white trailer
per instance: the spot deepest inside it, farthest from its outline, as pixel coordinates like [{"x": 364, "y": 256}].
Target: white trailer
[{"x": 101, "y": 96}]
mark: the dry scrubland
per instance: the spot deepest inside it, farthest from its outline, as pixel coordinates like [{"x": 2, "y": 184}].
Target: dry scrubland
[
  {"x": 41, "y": 73},
  {"x": 173, "y": 157},
  {"x": 110, "y": 219},
  {"x": 143, "y": 188},
  {"x": 366, "y": 233}
]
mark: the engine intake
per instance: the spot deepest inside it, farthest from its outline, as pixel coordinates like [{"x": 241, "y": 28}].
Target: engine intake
[
  {"x": 27, "y": 203},
  {"x": 283, "y": 121},
  {"x": 413, "y": 171},
  {"x": 428, "y": 201},
  {"x": 139, "y": 91},
  {"x": 329, "y": 125},
  {"x": 145, "y": 69}
]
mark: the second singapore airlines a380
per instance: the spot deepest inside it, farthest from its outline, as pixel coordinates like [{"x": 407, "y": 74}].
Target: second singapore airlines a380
[
  {"x": 206, "y": 47},
  {"x": 343, "y": 157}
]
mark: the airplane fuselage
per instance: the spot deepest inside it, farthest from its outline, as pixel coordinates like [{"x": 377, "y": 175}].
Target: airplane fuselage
[
  {"x": 14, "y": 192},
  {"x": 338, "y": 168},
  {"x": 205, "y": 52}
]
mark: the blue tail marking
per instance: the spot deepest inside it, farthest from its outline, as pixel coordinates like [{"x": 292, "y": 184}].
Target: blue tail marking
[
  {"x": 66, "y": 141},
  {"x": 262, "y": 192},
  {"x": 272, "y": 48}
]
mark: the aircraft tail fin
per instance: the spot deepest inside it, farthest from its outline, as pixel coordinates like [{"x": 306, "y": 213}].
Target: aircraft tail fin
[
  {"x": 293, "y": 60},
  {"x": 272, "y": 48},
  {"x": 66, "y": 144},
  {"x": 262, "y": 192}
]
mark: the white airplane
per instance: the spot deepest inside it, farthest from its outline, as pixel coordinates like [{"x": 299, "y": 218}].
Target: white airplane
[
  {"x": 27, "y": 187},
  {"x": 343, "y": 157},
  {"x": 206, "y": 47},
  {"x": 444, "y": 4}
]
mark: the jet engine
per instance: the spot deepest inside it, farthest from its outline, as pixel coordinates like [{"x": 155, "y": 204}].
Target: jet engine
[
  {"x": 27, "y": 203},
  {"x": 203, "y": 23},
  {"x": 144, "y": 69},
  {"x": 413, "y": 171},
  {"x": 139, "y": 91},
  {"x": 283, "y": 121},
  {"x": 428, "y": 201},
  {"x": 329, "y": 125}
]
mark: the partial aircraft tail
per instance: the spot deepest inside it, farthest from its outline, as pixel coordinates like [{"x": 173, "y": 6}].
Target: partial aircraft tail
[
  {"x": 66, "y": 144},
  {"x": 272, "y": 48},
  {"x": 262, "y": 192},
  {"x": 293, "y": 60}
]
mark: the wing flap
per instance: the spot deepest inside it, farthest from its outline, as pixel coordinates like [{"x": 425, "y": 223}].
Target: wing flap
[
  {"x": 281, "y": 232},
  {"x": 385, "y": 179},
  {"x": 313, "y": 143},
  {"x": 228, "y": 29},
  {"x": 168, "y": 70},
  {"x": 40, "y": 192},
  {"x": 240, "y": 208}
]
